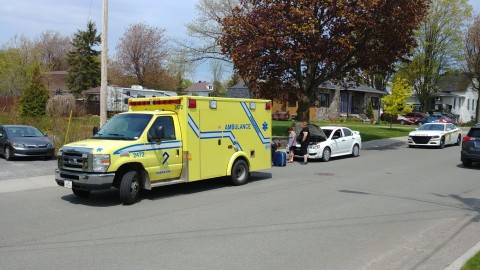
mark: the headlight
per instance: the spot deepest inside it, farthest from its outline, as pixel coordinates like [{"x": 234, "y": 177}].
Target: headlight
[
  {"x": 19, "y": 145},
  {"x": 315, "y": 146},
  {"x": 101, "y": 163},
  {"x": 50, "y": 145},
  {"x": 436, "y": 136}
]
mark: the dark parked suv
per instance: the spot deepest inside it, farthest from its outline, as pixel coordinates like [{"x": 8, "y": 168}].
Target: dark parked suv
[{"x": 471, "y": 146}]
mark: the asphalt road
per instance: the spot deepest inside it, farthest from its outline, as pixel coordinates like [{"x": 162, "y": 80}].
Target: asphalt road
[{"x": 390, "y": 208}]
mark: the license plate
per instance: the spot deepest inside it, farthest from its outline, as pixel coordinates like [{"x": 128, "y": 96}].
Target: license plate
[{"x": 67, "y": 184}]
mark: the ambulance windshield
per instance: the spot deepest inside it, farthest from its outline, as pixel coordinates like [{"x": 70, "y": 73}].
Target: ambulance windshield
[{"x": 124, "y": 127}]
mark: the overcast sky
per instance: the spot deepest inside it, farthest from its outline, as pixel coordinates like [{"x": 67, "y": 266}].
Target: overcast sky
[{"x": 31, "y": 17}]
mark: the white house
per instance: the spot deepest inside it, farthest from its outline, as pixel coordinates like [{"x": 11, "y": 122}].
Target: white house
[
  {"x": 199, "y": 89},
  {"x": 457, "y": 94}
]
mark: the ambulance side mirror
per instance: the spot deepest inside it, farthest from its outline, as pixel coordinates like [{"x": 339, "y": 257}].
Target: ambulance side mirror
[{"x": 159, "y": 134}]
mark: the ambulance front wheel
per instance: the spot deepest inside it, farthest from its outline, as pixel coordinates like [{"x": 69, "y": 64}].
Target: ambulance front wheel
[
  {"x": 240, "y": 172},
  {"x": 129, "y": 187}
]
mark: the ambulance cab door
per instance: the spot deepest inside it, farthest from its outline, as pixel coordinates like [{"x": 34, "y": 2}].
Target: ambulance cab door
[{"x": 164, "y": 156}]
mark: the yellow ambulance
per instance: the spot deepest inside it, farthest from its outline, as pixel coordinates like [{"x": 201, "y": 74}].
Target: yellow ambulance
[{"x": 168, "y": 140}]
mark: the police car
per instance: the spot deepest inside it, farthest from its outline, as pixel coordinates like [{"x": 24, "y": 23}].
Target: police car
[{"x": 435, "y": 135}]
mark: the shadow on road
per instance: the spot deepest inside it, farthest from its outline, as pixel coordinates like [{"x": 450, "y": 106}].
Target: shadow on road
[{"x": 106, "y": 198}]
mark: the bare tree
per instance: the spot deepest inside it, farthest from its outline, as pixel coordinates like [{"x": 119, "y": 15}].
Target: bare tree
[
  {"x": 141, "y": 51},
  {"x": 52, "y": 48},
  {"x": 206, "y": 29},
  {"x": 217, "y": 72},
  {"x": 472, "y": 55}
]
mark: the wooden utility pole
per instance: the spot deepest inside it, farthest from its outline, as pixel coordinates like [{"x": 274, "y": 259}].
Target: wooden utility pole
[{"x": 103, "y": 84}]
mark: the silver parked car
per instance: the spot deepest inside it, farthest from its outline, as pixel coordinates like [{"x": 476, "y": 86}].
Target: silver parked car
[{"x": 24, "y": 141}]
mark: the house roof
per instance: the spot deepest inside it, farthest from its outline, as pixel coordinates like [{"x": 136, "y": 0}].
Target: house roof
[
  {"x": 201, "y": 86},
  {"x": 352, "y": 87},
  {"x": 453, "y": 83},
  {"x": 240, "y": 90},
  {"x": 92, "y": 91},
  {"x": 56, "y": 80}
]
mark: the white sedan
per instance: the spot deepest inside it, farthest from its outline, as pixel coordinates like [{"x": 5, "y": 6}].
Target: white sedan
[
  {"x": 332, "y": 141},
  {"x": 435, "y": 134}
]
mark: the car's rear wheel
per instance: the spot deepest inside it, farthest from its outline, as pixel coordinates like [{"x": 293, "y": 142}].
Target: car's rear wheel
[
  {"x": 467, "y": 163},
  {"x": 356, "y": 150},
  {"x": 459, "y": 140},
  {"x": 402, "y": 122},
  {"x": 326, "y": 154},
  {"x": 419, "y": 124}
]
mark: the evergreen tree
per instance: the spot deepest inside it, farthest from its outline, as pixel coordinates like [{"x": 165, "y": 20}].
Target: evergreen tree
[
  {"x": 34, "y": 99},
  {"x": 84, "y": 62}
]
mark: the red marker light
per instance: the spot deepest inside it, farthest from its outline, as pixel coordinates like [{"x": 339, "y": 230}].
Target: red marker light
[
  {"x": 192, "y": 103},
  {"x": 268, "y": 105}
]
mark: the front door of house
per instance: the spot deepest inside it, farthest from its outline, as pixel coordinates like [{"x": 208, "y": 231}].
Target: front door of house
[{"x": 346, "y": 104}]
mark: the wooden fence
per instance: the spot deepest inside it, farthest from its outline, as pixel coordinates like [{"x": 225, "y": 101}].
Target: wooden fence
[{"x": 7, "y": 103}]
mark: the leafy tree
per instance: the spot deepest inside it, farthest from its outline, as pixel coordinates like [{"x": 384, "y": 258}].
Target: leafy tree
[
  {"x": 234, "y": 79},
  {"x": 34, "y": 99},
  {"x": 472, "y": 55},
  {"x": 84, "y": 72},
  {"x": 396, "y": 102},
  {"x": 142, "y": 52},
  {"x": 279, "y": 45},
  {"x": 439, "y": 47},
  {"x": 17, "y": 62}
]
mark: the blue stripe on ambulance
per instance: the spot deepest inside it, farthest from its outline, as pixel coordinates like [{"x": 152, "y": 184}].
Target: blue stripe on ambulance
[
  {"x": 254, "y": 124},
  {"x": 149, "y": 147},
  {"x": 212, "y": 134}
]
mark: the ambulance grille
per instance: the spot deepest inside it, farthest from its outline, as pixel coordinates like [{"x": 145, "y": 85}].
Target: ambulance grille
[{"x": 74, "y": 161}]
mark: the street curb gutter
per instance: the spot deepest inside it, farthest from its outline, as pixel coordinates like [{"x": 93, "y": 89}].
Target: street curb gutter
[{"x": 458, "y": 264}]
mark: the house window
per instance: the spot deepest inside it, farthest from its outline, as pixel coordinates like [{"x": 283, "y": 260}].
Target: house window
[
  {"x": 324, "y": 100},
  {"x": 454, "y": 103},
  {"x": 468, "y": 104},
  {"x": 375, "y": 103},
  {"x": 473, "y": 106},
  {"x": 292, "y": 100}
]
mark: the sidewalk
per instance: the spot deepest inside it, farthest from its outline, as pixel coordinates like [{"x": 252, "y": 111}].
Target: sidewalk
[{"x": 28, "y": 183}]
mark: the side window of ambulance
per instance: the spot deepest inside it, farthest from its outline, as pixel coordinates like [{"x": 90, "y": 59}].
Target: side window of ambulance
[{"x": 168, "y": 127}]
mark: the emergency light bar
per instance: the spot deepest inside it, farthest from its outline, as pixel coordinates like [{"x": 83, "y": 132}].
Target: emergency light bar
[{"x": 154, "y": 102}]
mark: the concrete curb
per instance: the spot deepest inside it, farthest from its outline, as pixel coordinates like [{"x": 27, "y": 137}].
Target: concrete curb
[{"x": 458, "y": 264}]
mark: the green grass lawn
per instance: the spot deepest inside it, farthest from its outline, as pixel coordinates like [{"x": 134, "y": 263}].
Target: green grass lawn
[
  {"x": 367, "y": 131},
  {"x": 473, "y": 263}
]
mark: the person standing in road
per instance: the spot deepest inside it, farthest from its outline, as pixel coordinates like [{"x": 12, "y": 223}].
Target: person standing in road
[
  {"x": 291, "y": 143},
  {"x": 304, "y": 140}
]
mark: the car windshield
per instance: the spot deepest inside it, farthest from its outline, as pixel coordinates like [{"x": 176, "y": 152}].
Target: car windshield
[
  {"x": 438, "y": 127},
  {"x": 23, "y": 132},
  {"x": 124, "y": 127}
]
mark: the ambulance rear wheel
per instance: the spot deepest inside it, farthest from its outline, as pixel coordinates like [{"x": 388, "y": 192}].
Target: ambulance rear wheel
[
  {"x": 129, "y": 188},
  {"x": 240, "y": 173}
]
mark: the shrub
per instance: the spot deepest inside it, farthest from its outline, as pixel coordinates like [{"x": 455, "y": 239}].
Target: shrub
[{"x": 60, "y": 105}]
